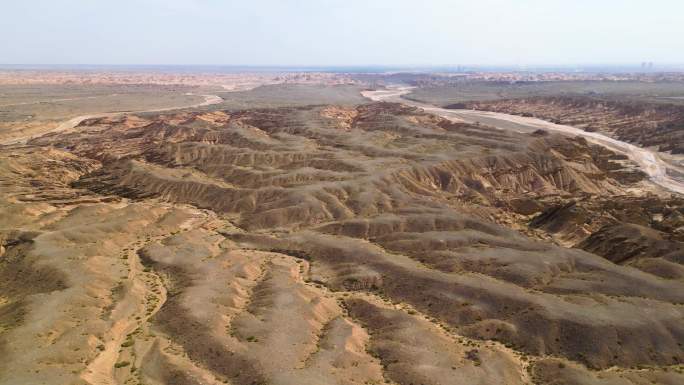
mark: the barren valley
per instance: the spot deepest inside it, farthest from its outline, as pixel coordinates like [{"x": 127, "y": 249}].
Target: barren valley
[{"x": 296, "y": 231}]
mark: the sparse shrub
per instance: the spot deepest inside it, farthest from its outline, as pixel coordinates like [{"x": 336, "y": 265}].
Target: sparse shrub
[{"x": 121, "y": 364}]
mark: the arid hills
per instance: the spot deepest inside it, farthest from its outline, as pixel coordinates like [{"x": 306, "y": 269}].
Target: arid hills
[
  {"x": 137, "y": 76},
  {"x": 350, "y": 243},
  {"x": 646, "y": 124}
]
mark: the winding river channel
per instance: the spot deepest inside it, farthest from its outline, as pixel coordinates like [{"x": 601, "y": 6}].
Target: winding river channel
[
  {"x": 649, "y": 161},
  {"x": 75, "y": 121}
]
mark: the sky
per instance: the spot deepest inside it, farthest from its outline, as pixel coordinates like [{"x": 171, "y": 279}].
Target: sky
[{"x": 342, "y": 32}]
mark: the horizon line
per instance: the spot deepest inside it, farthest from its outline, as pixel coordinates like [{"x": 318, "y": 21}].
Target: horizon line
[{"x": 614, "y": 68}]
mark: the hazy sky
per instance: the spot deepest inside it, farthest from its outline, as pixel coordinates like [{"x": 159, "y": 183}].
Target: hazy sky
[{"x": 341, "y": 32}]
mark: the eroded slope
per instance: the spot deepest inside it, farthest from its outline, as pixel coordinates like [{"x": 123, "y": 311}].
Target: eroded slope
[
  {"x": 330, "y": 245},
  {"x": 647, "y": 124}
]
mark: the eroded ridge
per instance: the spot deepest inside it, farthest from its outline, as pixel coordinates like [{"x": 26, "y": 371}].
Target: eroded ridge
[{"x": 333, "y": 245}]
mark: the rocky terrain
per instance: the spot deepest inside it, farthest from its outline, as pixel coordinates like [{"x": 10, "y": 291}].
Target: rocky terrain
[
  {"x": 333, "y": 244},
  {"x": 658, "y": 125}
]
